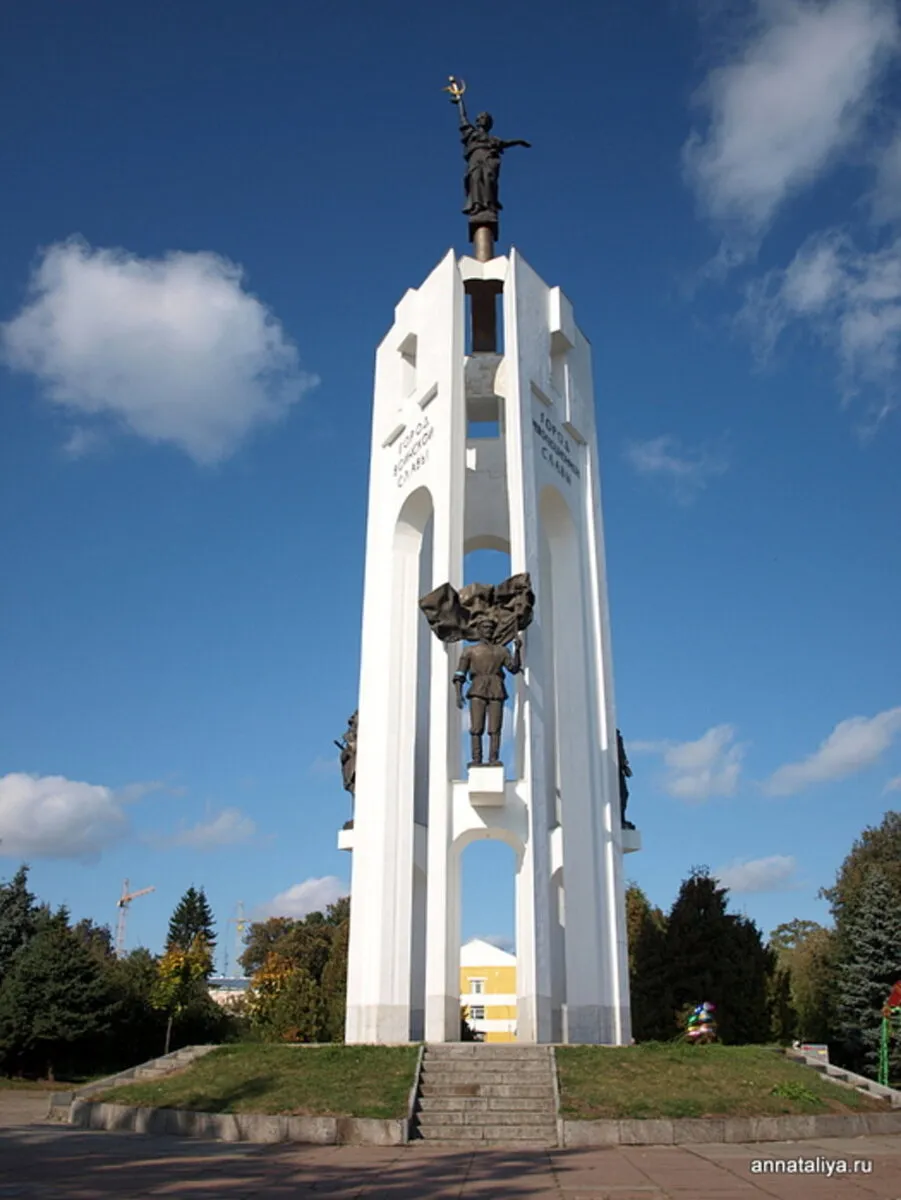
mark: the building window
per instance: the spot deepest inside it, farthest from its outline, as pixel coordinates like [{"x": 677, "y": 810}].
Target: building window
[
  {"x": 477, "y": 987},
  {"x": 477, "y": 1012}
]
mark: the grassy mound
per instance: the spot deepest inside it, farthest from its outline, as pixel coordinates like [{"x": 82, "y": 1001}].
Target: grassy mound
[
  {"x": 666, "y": 1079},
  {"x": 345, "y": 1081}
]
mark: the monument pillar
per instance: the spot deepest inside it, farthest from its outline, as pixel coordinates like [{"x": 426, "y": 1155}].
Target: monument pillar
[
  {"x": 438, "y": 490},
  {"x": 484, "y": 437}
]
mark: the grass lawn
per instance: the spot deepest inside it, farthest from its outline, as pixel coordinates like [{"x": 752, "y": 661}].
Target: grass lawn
[
  {"x": 346, "y": 1081},
  {"x": 665, "y": 1079}
]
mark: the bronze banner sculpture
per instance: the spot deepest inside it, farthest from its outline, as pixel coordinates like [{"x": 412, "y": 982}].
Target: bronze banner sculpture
[{"x": 491, "y": 617}]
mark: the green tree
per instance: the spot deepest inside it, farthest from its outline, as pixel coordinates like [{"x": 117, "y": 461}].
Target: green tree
[
  {"x": 262, "y": 939},
  {"x": 298, "y": 970},
  {"x": 638, "y": 912},
  {"x": 334, "y": 983},
  {"x": 54, "y": 998},
  {"x": 711, "y": 954},
  {"x": 96, "y": 938},
  {"x": 339, "y": 912},
  {"x": 181, "y": 976},
  {"x": 878, "y": 846},
  {"x": 192, "y": 919},
  {"x": 652, "y": 1015},
  {"x": 783, "y": 1018},
  {"x": 19, "y": 913},
  {"x": 869, "y": 964},
  {"x": 805, "y": 952},
  {"x": 786, "y": 938},
  {"x": 813, "y": 975},
  {"x": 298, "y": 1014},
  {"x": 138, "y": 1028}
]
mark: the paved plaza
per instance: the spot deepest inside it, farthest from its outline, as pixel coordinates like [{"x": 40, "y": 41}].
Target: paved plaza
[{"x": 54, "y": 1162}]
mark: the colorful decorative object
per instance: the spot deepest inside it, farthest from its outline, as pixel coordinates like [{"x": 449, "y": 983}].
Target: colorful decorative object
[
  {"x": 891, "y": 1020},
  {"x": 701, "y": 1026}
]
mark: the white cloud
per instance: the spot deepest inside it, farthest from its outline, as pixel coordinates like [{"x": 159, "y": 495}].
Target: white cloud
[
  {"x": 793, "y": 94},
  {"x": 172, "y": 349},
  {"x": 501, "y": 940},
  {"x": 53, "y": 817},
  {"x": 313, "y": 895},
  {"x": 759, "y": 874},
  {"x": 326, "y": 768},
  {"x": 708, "y": 767},
  {"x": 852, "y": 746},
  {"x": 893, "y": 785},
  {"x": 647, "y": 747},
  {"x": 230, "y": 827},
  {"x": 886, "y": 197},
  {"x": 849, "y": 298},
  {"x": 686, "y": 471}
]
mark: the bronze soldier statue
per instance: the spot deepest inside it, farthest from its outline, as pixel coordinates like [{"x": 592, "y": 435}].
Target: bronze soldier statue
[
  {"x": 625, "y": 772},
  {"x": 491, "y": 615},
  {"x": 348, "y": 748},
  {"x": 485, "y": 663}
]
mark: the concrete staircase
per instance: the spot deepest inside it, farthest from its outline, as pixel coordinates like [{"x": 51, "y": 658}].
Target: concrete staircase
[{"x": 486, "y": 1094}]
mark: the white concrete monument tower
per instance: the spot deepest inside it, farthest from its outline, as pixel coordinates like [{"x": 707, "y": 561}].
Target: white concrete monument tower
[{"x": 484, "y": 438}]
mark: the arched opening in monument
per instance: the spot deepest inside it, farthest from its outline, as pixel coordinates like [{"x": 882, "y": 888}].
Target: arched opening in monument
[
  {"x": 489, "y": 563},
  {"x": 565, "y": 647},
  {"x": 408, "y": 699},
  {"x": 488, "y": 977}
]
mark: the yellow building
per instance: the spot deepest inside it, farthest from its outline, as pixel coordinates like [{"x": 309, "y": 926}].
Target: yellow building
[{"x": 488, "y": 990}]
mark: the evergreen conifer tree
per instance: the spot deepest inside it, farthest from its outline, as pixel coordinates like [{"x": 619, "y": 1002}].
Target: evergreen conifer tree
[
  {"x": 191, "y": 919},
  {"x": 869, "y": 963},
  {"x": 55, "y": 996},
  {"x": 713, "y": 955},
  {"x": 19, "y": 914},
  {"x": 878, "y": 846},
  {"x": 652, "y": 1012}
]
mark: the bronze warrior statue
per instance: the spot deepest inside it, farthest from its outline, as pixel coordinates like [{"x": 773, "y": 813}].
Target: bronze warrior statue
[
  {"x": 485, "y": 663},
  {"x": 625, "y": 772},
  {"x": 491, "y": 617},
  {"x": 348, "y": 748}
]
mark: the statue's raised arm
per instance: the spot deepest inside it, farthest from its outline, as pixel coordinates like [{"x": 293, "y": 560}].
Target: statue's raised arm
[{"x": 457, "y": 87}]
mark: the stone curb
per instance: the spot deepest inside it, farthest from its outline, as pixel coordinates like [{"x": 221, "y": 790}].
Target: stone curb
[
  {"x": 684, "y": 1130},
  {"x": 561, "y": 1124},
  {"x": 238, "y": 1127}
]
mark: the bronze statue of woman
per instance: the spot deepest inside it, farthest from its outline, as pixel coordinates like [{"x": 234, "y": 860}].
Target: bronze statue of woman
[{"x": 482, "y": 151}]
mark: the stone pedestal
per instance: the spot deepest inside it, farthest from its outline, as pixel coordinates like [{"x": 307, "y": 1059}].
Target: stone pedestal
[{"x": 486, "y": 785}]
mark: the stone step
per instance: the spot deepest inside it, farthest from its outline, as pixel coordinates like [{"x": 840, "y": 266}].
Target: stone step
[
  {"x": 525, "y": 1091},
  {"x": 485, "y": 1104},
  {"x": 459, "y": 1066},
  {"x": 539, "y": 1145},
  {"x": 504, "y": 1135},
  {"x": 467, "y": 1066},
  {"x": 488, "y": 1051},
  {"x": 497, "y": 1079},
  {"x": 428, "y": 1120}
]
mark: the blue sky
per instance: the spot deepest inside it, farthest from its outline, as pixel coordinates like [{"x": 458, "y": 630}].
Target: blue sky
[{"x": 210, "y": 211}]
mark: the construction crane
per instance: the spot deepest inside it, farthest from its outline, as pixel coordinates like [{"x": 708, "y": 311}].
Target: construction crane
[
  {"x": 240, "y": 924},
  {"x": 122, "y": 904}
]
